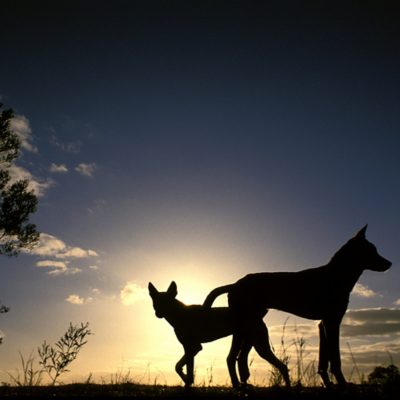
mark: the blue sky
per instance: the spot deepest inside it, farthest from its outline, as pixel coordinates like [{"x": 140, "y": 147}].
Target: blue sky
[{"x": 196, "y": 142}]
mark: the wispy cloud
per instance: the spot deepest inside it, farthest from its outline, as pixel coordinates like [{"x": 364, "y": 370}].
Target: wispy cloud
[
  {"x": 68, "y": 147},
  {"x": 132, "y": 293},
  {"x": 58, "y": 168},
  {"x": 58, "y": 267},
  {"x": 97, "y": 207},
  {"x": 86, "y": 169},
  {"x": 65, "y": 271},
  {"x": 36, "y": 185},
  {"x": 363, "y": 291},
  {"x": 76, "y": 252},
  {"x": 52, "y": 264},
  {"x": 21, "y": 126},
  {"x": 58, "y": 255},
  {"x": 78, "y": 300},
  {"x": 52, "y": 246},
  {"x": 371, "y": 322}
]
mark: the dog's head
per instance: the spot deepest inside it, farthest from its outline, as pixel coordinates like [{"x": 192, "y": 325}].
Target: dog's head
[
  {"x": 361, "y": 253},
  {"x": 163, "y": 301}
]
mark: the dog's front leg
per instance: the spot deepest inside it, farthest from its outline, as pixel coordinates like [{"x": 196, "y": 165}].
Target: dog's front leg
[
  {"x": 189, "y": 370},
  {"x": 323, "y": 355},
  {"x": 332, "y": 330}
]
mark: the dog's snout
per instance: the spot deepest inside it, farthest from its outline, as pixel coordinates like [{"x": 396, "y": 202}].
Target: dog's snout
[{"x": 387, "y": 264}]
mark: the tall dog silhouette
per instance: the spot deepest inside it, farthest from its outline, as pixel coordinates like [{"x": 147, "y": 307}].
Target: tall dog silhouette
[
  {"x": 317, "y": 293},
  {"x": 194, "y": 324}
]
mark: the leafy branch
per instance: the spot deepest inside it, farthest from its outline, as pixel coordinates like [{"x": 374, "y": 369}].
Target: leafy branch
[{"x": 55, "y": 359}]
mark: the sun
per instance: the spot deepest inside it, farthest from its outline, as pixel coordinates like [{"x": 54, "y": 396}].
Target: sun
[{"x": 193, "y": 288}]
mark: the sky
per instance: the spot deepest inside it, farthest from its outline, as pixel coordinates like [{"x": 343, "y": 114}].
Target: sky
[{"x": 198, "y": 142}]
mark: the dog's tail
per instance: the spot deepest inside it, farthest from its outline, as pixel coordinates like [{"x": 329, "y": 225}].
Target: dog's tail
[{"x": 208, "y": 302}]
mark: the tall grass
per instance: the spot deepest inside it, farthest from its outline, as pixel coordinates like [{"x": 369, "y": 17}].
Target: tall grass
[{"x": 296, "y": 356}]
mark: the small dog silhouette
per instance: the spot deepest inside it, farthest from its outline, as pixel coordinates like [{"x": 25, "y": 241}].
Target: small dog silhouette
[
  {"x": 317, "y": 293},
  {"x": 194, "y": 324}
]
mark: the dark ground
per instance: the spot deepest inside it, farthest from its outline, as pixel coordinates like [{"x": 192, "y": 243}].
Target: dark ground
[{"x": 134, "y": 391}]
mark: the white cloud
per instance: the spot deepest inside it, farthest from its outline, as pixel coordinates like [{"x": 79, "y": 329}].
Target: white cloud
[
  {"x": 397, "y": 302},
  {"x": 50, "y": 245},
  {"x": 94, "y": 267},
  {"x": 76, "y": 252},
  {"x": 54, "y": 250},
  {"x": 364, "y": 291},
  {"x": 20, "y": 125},
  {"x": 132, "y": 293},
  {"x": 57, "y": 169},
  {"x": 58, "y": 267},
  {"x": 78, "y": 300},
  {"x": 86, "y": 169},
  {"x": 65, "y": 271},
  {"x": 37, "y": 186},
  {"x": 52, "y": 264}
]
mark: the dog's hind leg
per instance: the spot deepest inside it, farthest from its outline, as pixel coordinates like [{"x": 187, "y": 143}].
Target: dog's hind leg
[
  {"x": 323, "y": 355},
  {"x": 232, "y": 357},
  {"x": 263, "y": 348},
  {"x": 243, "y": 365},
  {"x": 179, "y": 368}
]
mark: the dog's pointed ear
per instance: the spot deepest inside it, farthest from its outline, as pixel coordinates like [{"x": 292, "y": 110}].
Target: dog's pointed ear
[
  {"x": 152, "y": 290},
  {"x": 172, "y": 290},
  {"x": 361, "y": 233}
]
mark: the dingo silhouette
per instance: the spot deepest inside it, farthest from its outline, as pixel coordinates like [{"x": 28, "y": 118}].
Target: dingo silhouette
[
  {"x": 194, "y": 324},
  {"x": 320, "y": 293}
]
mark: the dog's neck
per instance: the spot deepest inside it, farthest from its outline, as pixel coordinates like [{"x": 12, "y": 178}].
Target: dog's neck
[
  {"x": 346, "y": 271},
  {"x": 175, "y": 313}
]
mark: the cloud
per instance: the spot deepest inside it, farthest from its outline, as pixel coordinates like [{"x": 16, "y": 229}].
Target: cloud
[
  {"x": 76, "y": 252},
  {"x": 20, "y": 125},
  {"x": 363, "y": 291},
  {"x": 54, "y": 250},
  {"x": 36, "y": 185},
  {"x": 97, "y": 207},
  {"x": 52, "y": 264},
  {"x": 68, "y": 147},
  {"x": 58, "y": 267},
  {"x": 50, "y": 245},
  {"x": 294, "y": 331},
  {"x": 78, "y": 300},
  {"x": 86, "y": 169},
  {"x": 65, "y": 271},
  {"x": 132, "y": 293},
  {"x": 57, "y": 169},
  {"x": 397, "y": 302},
  {"x": 371, "y": 322}
]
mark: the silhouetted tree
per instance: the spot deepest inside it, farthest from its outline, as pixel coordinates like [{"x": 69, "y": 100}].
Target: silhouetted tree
[
  {"x": 17, "y": 202},
  {"x": 385, "y": 376}
]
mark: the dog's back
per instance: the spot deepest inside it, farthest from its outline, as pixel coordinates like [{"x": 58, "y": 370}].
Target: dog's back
[
  {"x": 305, "y": 293},
  {"x": 204, "y": 324}
]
